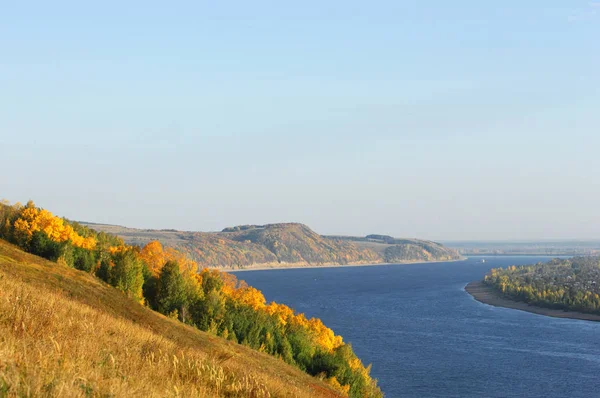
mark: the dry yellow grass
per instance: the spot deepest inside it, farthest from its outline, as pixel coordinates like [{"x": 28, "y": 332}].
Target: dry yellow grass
[{"x": 65, "y": 333}]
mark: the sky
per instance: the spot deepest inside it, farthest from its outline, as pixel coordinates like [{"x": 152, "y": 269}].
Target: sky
[{"x": 430, "y": 119}]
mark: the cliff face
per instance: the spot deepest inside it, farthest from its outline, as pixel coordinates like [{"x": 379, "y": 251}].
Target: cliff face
[{"x": 285, "y": 244}]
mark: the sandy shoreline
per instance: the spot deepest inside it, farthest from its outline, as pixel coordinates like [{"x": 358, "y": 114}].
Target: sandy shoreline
[
  {"x": 488, "y": 295},
  {"x": 296, "y": 266}
]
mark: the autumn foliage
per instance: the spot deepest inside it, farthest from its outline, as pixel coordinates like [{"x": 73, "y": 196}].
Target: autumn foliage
[
  {"x": 32, "y": 220},
  {"x": 155, "y": 256}
]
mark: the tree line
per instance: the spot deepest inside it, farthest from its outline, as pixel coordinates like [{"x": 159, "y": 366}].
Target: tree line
[{"x": 568, "y": 284}]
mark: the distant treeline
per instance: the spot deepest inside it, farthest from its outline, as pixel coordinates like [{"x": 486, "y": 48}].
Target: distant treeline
[{"x": 572, "y": 284}]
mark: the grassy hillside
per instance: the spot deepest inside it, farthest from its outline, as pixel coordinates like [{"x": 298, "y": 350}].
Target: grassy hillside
[
  {"x": 284, "y": 244},
  {"x": 167, "y": 281},
  {"x": 65, "y": 333}
]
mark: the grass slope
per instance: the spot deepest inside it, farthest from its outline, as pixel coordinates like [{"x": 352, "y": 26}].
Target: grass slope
[{"x": 65, "y": 333}]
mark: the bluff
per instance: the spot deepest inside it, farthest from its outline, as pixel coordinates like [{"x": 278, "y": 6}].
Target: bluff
[{"x": 284, "y": 244}]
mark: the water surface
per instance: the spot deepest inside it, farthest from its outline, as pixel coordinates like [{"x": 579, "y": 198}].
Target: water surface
[{"x": 427, "y": 337}]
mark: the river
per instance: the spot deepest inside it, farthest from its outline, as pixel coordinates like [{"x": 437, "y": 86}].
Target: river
[{"x": 427, "y": 337}]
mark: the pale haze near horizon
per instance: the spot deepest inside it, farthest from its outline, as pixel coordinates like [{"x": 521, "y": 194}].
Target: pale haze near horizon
[{"x": 439, "y": 120}]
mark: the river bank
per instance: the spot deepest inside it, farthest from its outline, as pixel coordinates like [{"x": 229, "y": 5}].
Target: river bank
[
  {"x": 275, "y": 266},
  {"x": 487, "y": 295}
]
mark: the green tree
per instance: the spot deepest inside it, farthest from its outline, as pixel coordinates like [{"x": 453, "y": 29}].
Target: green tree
[
  {"x": 174, "y": 291},
  {"x": 104, "y": 270},
  {"x": 150, "y": 287},
  {"x": 84, "y": 259},
  {"x": 126, "y": 275},
  {"x": 42, "y": 246}
]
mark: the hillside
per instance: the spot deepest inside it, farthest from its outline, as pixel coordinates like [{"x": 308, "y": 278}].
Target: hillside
[
  {"x": 167, "y": 281},
  {"x": 284, "y": 244},
  {"x": 394, "y": 250},
  {"x": 64, "y": 332}
]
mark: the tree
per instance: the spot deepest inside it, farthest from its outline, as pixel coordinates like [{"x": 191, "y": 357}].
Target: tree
[
  {"x": 84, "y": 259},
  {"x": 150, "y": 286},
  {"x": 104, "y": 271},
  {"x": 175, "y": 291},
  {"x": 42, "y": 246},
  {"x": 126, "y": 275},
  {"x": 154, "y": 256}
]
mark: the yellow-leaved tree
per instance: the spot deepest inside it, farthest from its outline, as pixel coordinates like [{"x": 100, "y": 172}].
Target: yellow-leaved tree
[{"x": 32, "y": 220}]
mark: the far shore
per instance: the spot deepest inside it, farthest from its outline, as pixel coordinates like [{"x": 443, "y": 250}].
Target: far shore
[
  {"x": 487, "y": 295},
  {"x": 281, "y": 266}
]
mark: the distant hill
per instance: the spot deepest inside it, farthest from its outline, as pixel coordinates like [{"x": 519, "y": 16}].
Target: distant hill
[{"x": 284, "y": 244}]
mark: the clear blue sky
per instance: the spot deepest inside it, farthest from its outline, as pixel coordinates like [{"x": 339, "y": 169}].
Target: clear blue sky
[{"x": 433, "y": 119}]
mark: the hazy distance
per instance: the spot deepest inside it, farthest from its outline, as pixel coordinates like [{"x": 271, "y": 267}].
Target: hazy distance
[{"x": 413, "y": 119}]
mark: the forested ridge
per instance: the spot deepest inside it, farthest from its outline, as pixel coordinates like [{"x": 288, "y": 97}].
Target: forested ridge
[
  {"x": 168, "y": 281},
  {"x": 285, "y": 244},
  {"x": 568, "y": 284}
]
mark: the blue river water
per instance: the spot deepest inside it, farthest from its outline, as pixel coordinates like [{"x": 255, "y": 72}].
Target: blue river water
[{"x": 426, "y": 337}]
